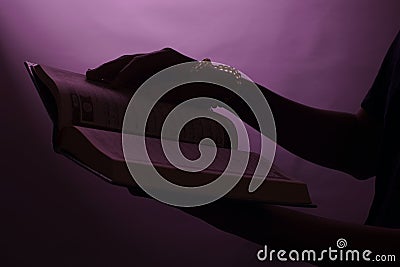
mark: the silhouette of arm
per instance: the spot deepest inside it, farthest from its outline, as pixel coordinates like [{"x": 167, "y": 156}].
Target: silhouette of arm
[{"x": 337, "y": 140}]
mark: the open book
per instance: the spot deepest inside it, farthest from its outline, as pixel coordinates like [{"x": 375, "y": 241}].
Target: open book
[{"x": 87, "y": 120}]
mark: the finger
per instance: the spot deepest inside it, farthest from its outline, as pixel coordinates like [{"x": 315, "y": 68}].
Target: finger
[
  {"x": 108, "y": 71},
  {"x": 144, "y": 66}
]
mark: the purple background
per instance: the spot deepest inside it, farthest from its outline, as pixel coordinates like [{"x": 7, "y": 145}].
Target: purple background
[{"x": 54, "y": 213}]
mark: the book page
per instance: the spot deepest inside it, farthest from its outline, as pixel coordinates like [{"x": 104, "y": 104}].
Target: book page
[
  {"x": 84, "y": 103},
  {"x": 101, "y": 151},
  {"x": 110, "y": 143}
]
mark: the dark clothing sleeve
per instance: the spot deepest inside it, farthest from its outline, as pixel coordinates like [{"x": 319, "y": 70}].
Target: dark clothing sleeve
[
  {"x": 374, "y": 102},
  {"x": 383, "y": 103}
]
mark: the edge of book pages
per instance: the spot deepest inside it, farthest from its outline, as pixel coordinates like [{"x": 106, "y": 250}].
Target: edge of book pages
[{"x": 239, "y": 193}]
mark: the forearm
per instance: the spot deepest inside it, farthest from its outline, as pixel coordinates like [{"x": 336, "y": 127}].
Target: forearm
[
  {"x": 320, "y": 136},
  {"x": 327, "y": 138},
  {"x": 282, "y": 228}
]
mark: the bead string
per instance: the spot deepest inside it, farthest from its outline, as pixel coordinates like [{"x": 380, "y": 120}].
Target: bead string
[{"x": 207, "y": 63}]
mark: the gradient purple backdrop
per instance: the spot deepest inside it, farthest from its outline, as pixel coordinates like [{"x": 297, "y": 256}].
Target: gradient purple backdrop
[{"x": 321, "y": 53}]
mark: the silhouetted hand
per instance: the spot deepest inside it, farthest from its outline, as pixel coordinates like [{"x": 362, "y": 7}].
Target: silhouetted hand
[{"x": 130, "y": 71}]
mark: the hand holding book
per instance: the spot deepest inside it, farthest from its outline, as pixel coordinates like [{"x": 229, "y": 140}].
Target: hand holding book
[
  {"x": 87, "y": 112},
  {"x": 130, "y": 71}
]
